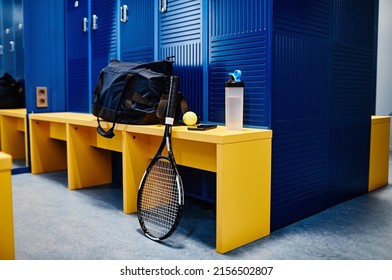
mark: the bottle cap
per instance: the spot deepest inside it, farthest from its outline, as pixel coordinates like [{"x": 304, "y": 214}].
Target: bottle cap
[{"x": 235, "y": 79}]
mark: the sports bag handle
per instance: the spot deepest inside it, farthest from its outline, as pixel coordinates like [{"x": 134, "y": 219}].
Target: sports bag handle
[
  {"x": 110, "y": 133},
  {"x": 102, "y": 132}
]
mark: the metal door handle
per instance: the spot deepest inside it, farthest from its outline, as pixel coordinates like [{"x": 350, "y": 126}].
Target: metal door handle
[
  {"x": 95, "y": 24},
  {"x": 1, "y": 49},
  {"x": 12, "y": 46},
  {"x": 85, "y": 24},
  {"x": 124, "y": 13},
  {"x": 163, "y": 5}
]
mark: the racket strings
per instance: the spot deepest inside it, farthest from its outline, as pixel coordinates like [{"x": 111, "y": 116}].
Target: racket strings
[{"x": 159, "y": 201}]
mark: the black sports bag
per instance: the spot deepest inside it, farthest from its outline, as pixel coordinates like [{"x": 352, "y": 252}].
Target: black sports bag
[
  {"x": 11, "y": 93},
  {"x": 133, "y": 93}
]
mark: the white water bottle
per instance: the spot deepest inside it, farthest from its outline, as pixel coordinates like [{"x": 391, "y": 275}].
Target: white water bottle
[{"x": 234, "y": 101}]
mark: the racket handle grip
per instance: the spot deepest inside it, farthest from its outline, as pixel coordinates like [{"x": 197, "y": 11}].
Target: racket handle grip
[{"x": 172, "y": 101}]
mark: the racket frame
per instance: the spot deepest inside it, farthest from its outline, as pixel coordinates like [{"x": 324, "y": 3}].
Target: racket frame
[{"x": 166, "y": 142}]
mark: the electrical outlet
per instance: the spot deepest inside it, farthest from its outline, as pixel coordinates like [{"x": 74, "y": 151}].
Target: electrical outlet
[{"x": 42, "y": 97}]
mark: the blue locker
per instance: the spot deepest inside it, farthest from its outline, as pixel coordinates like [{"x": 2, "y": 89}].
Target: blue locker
[
  {"x": 77, "y": 32},
  {"x": 44, "y": 49},
  {"x": 1, "y": 41},
  {"x": 11, "y": 41},
  {"x": 309, "y": 73},
  {"x": 323, "y": 85},
  {"x": 353, "y": 83},
  {"x": 240, "y": 38},
  {"x": 103, "y": 36},
  {"x": 18, "y": 38},
  {"x": 180, "y": 34},
  {"x": 300, "y": 109},
  {"x": 8, "y": 38},
  {"x": 137, "y": 30},
  {"x": 91, "y": 42}
]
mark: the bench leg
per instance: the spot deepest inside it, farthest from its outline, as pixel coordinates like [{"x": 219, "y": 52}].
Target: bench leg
[
  {"x": 87, "y": 165},
  {"x": 135, "y": 162},
  {"x": 243, "y": 193},
  {"x": 46, "y": 154}
]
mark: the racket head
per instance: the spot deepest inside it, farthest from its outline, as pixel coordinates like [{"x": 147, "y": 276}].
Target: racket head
[{"x": 160, "y": 199}]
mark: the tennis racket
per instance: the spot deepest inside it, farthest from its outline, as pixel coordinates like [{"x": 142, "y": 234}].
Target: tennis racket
[{"x": 160, "y": 198}]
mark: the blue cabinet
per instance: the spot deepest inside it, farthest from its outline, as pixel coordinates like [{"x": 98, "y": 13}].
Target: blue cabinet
[
  {"x": 1, "y": 40},
  {"x": 11, "y": 42},
  {"x": 91, "y": 32},
  {"x": 182, "y": 29},
  {"x": 240, "y": 38},
  {"x": 44, "y": 52},
  {"x": 77, "y": 34},
  {"x": 8, "y": 37},
  {"x": 137, "y": 31}
]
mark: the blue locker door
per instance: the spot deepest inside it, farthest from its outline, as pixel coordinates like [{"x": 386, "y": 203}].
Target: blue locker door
[
  {"x": 18, "y": 35},
  {"x": 77, "y": 29},
  {"x": 240, "y": 39},
  {"x": 103, "y": 27},
  {"x": 137, "y": 30},
  {"x": 8, "y": 38},
  {"x": 1, "y": 41},
  {"x": 180, "y": 34}
]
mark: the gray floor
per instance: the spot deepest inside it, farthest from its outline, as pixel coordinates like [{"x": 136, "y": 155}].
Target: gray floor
[{"x": 51, "y": 222}]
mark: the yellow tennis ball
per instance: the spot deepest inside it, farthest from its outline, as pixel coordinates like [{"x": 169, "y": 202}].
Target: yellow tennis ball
[{"x": 189, "y": 118}]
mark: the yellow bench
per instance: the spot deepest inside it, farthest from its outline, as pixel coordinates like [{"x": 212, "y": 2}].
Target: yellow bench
[
  {"x": 241, "y": 160},
  {"x": 6, "y": 216},
  {"x": 13, "y": 136}
]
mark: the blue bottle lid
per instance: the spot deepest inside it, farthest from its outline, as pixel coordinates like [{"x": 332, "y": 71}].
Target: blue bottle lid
[{"x": 235, "y": 79}]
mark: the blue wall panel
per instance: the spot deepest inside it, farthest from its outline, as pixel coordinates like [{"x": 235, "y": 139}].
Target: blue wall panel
[{"x": 239, "y": 38}]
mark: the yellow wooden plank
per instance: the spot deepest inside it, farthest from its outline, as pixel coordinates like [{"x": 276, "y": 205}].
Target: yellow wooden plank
[
  {"x": 57, "y": 131},
  {"x": 113, "y": 144},
  {"x": 198, "y": 155},
  {"x": 20, "y": 124},
  {"x": 17, "y": 113}
]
